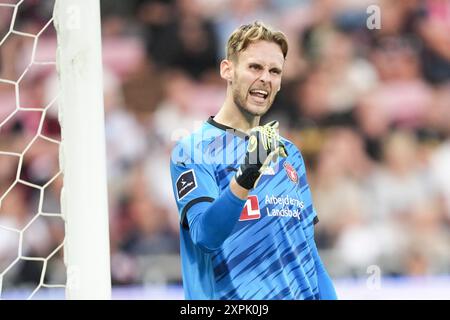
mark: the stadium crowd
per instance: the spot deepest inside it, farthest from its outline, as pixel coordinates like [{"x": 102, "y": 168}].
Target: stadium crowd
[{"x": 369, "y": 108}]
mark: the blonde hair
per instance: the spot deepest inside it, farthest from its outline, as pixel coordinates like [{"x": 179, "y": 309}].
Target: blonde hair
[{"x": 256, "y": 31}]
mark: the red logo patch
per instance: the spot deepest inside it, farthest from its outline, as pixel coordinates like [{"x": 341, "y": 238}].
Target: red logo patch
[
  {"x": 251, "y": 209},
  {"x": 291, "y": 172}
]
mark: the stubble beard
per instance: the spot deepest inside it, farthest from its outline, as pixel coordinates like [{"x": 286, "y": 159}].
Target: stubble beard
[{"x": 239, "y": 100}]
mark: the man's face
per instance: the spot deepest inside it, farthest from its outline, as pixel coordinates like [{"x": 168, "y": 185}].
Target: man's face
[{"x": 257, "y": 77}]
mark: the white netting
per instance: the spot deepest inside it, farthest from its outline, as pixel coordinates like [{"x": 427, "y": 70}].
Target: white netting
[{"x": 31, "y": 225}]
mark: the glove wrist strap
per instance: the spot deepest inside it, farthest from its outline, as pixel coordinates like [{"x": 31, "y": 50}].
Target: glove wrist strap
[{"x": 246, "y": 177}]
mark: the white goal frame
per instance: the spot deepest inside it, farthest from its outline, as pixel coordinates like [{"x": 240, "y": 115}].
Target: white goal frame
[{"x": 84, "y": 203}]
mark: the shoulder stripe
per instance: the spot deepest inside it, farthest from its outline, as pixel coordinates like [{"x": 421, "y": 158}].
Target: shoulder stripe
[{"x": 189, "y": 205}]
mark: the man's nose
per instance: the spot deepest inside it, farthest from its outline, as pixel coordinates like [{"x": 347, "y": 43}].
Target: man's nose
[{"x": 265, "y": 76}]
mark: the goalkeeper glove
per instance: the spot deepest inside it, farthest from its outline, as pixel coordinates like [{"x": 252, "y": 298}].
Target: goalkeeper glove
[{"x": 264, "y": 146}]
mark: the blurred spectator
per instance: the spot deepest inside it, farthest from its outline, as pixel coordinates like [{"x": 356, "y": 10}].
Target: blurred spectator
[
  {"x": 340, "y": 183},
  {"x": 178, "y": 35},
  {"x": 440, "y": 170},
  {"x": 151, "y": 232}
]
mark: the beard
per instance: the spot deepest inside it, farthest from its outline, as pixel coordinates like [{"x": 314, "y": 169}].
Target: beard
[{"x": 240, "y": 100}]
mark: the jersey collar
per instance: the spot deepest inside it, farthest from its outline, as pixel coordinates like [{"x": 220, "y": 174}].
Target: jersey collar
[{"x": 231, "y": 130}]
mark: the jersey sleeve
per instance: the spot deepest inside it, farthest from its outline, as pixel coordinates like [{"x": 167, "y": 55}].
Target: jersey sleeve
[{"x": 193, "y": 180}]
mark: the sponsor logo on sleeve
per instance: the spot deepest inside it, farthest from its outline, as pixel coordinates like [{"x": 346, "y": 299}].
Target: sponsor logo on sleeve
[{"x": 186, "y": 183}]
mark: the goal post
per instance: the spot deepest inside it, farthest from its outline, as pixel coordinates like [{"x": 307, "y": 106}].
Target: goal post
[{"x": 84, "y": 202}]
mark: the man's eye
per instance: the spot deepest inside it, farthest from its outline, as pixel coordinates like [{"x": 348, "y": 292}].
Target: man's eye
[
  {"x": 255, "y": 66},
  {"x": 276, "y": 71}
]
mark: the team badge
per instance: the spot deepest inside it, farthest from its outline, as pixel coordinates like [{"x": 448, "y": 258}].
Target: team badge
[{"x": 291, "y": 172}]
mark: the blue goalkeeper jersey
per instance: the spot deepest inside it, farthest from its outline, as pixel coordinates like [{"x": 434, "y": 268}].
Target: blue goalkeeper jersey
[{"x": 268, "y": 253}]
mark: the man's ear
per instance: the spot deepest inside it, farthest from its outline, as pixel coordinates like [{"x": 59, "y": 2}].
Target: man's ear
[{"x": 226, "y": 70}]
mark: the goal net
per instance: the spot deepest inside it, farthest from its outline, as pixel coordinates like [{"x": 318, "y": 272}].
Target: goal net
[{"x": 54, "y": 239}]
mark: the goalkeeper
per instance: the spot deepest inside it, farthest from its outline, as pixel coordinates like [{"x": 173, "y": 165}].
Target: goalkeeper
[{"x": 246, "y": 214}]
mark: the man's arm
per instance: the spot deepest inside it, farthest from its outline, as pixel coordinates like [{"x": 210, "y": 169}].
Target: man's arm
[
  {"x": 211, "y": 221},
  {"x": 237, "y": 190},
  {"x": 326, "y": 288},
  {"x": 214, "y": 222}
]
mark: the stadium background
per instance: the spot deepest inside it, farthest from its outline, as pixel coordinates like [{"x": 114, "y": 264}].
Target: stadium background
[{"x": 370, "y": 110}]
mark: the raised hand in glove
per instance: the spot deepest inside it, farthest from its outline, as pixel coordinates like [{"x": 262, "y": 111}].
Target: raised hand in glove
[{"x": 264, "y": 146}]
